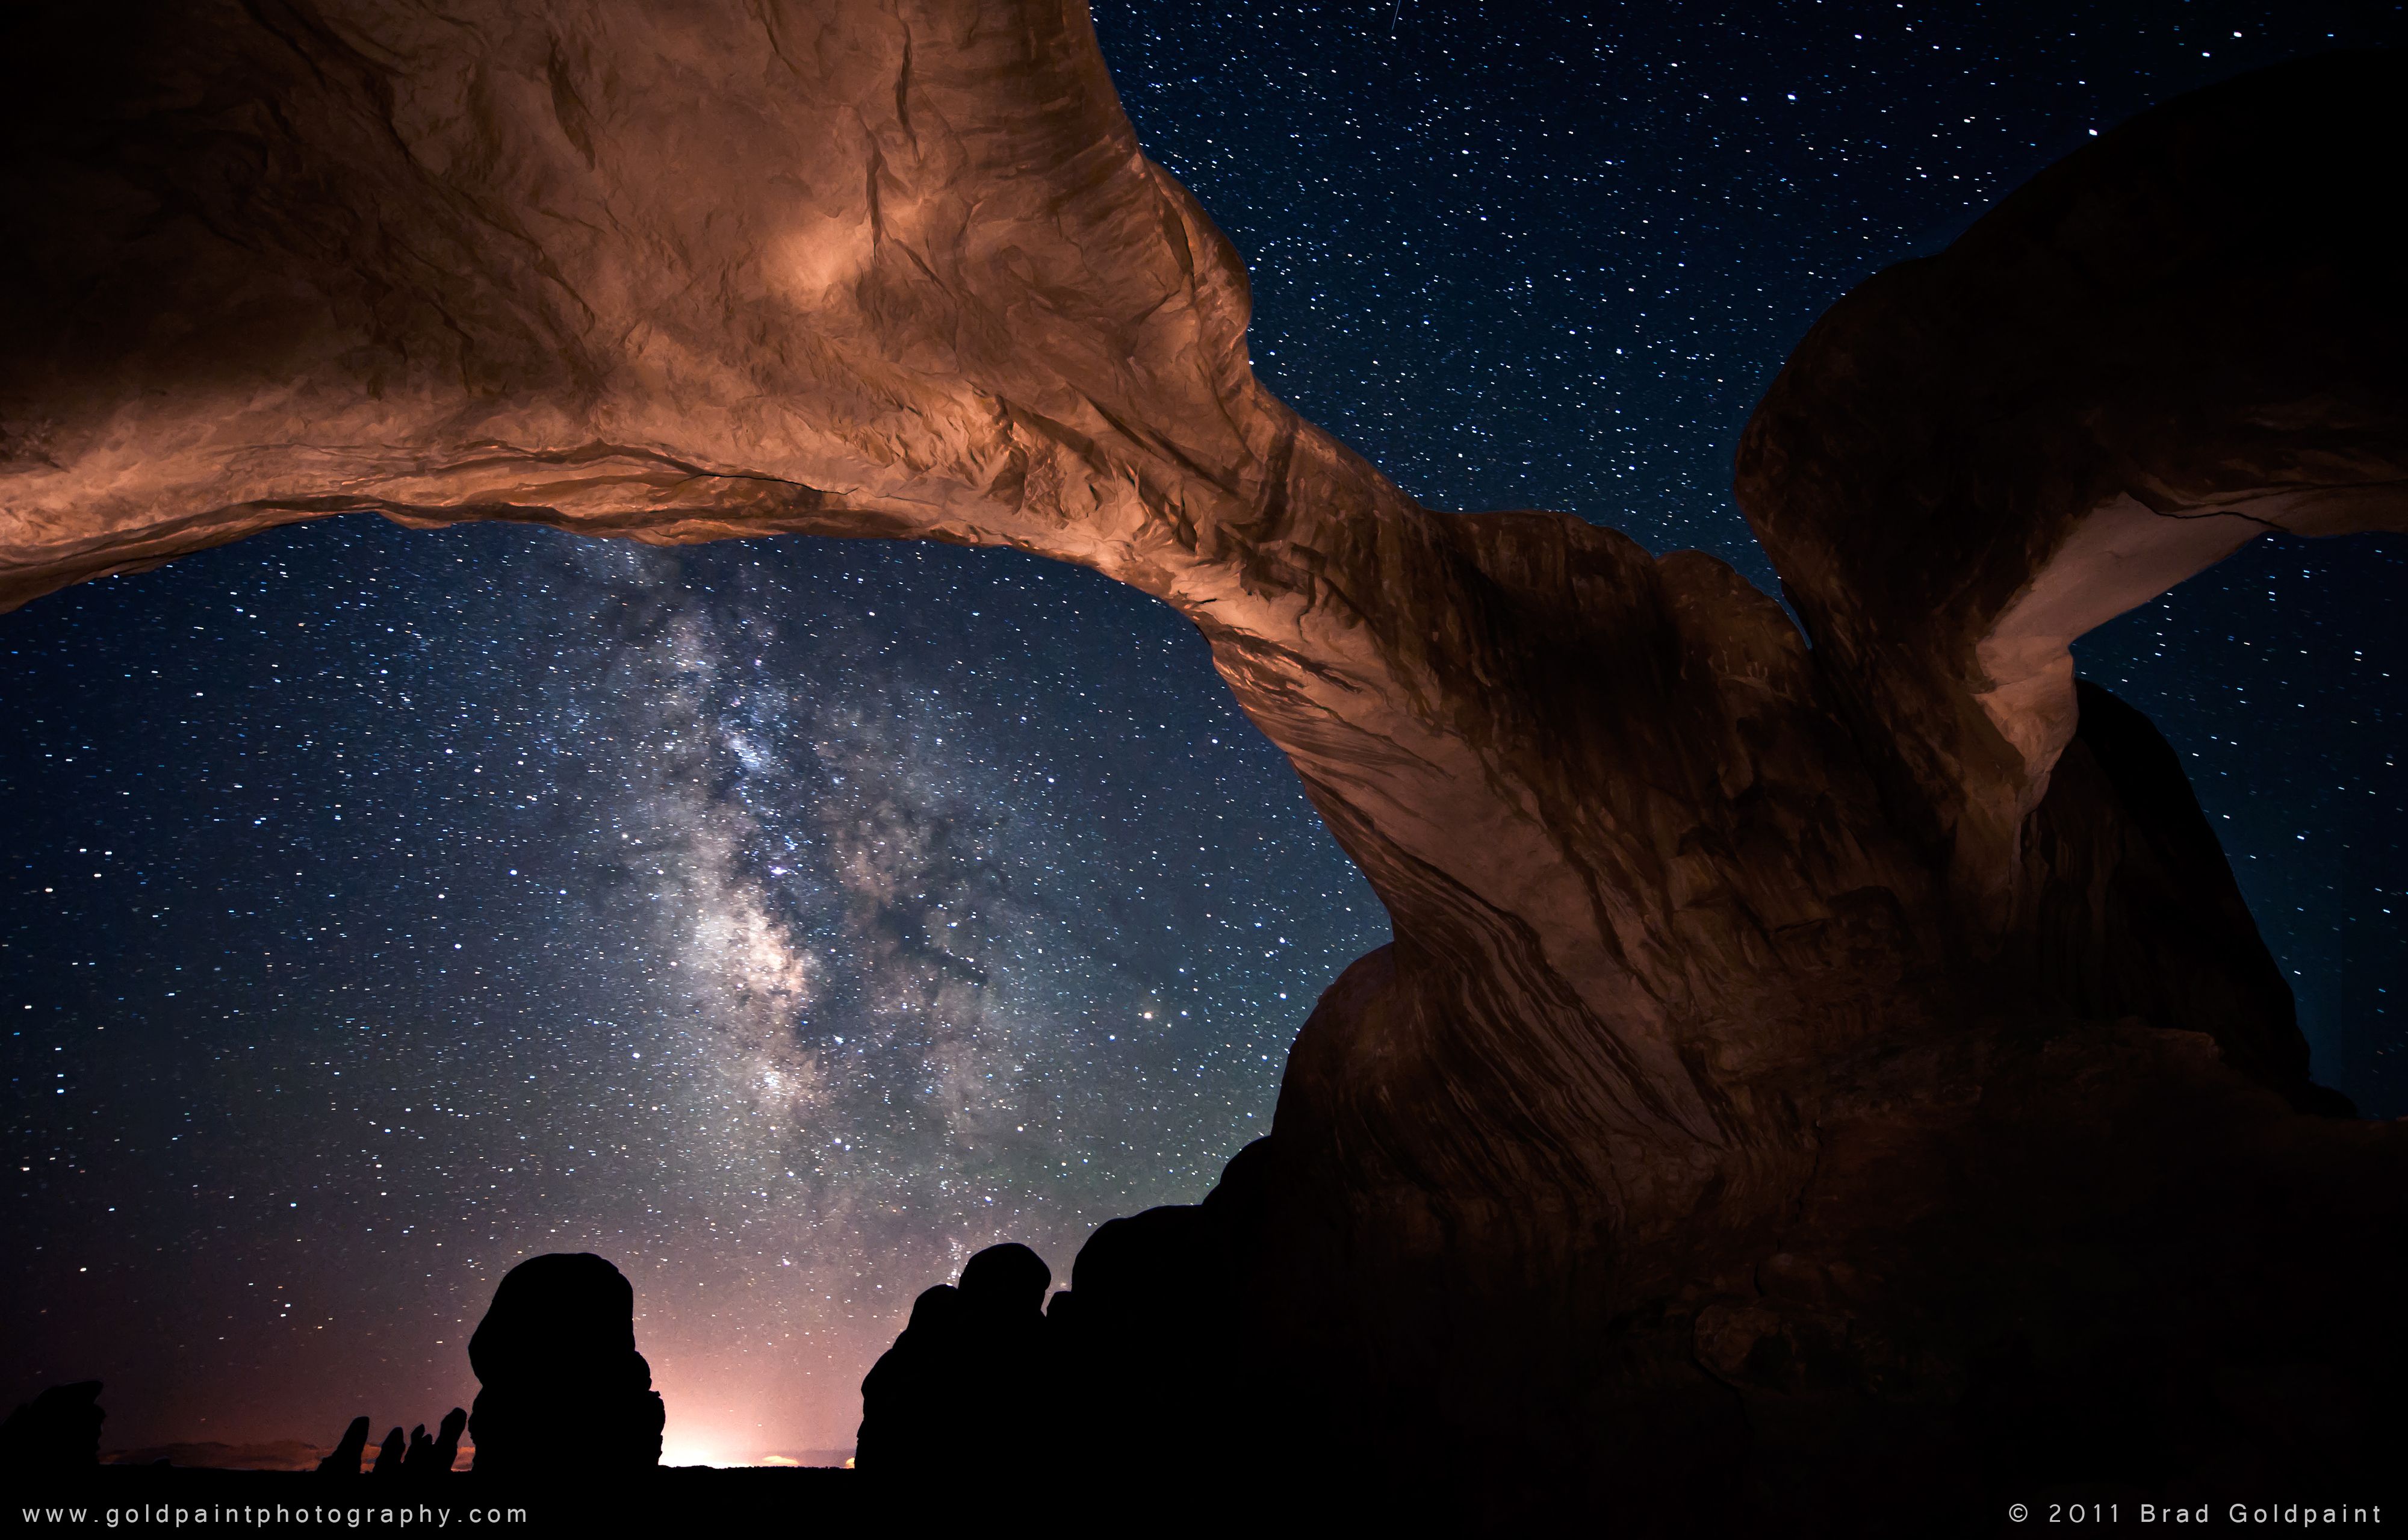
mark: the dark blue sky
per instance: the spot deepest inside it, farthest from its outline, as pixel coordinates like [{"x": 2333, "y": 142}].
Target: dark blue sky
[{"x": 787, "y": 920}]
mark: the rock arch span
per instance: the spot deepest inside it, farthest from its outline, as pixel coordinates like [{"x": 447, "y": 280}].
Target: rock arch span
[{"x": 1756, "y": 1011}]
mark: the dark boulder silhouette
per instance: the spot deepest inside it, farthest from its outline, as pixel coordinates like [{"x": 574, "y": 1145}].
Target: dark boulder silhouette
[
  {"x": 563, "y": 1387},
  {"x": 57, "y": 1430},
  {"x": 345, "y": 1461},
  {"x": 1135, "y": 1377},
  {"x": 1009, "y": 1407},
  {"x": 969, "y": 1388},
  {"x": 1129, "y": 1377},
  {"x": 905, "y": 1421},
  {"x": 1148, "y": 1342},
  {"x": 1006, "y": 1282}
]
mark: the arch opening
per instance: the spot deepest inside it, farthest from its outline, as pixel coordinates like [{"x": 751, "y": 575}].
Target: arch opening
[
  {"x": 2285, "y": 711},
  {"x": 785, "y": 920}
]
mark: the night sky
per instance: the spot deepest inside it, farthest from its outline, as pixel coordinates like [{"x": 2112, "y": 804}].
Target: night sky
[{"x": 786, "y": 920}]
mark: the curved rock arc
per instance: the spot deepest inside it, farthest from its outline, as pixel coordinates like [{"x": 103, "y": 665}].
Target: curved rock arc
[
  {"x": 1750, "y": 1002},
  {"x": 2179, "y": 338},
  {"x": 925, "y": 285}
]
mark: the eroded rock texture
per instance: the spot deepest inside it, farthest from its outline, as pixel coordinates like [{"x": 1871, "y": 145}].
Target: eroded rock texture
[{"x": 1792, "y": 1066}]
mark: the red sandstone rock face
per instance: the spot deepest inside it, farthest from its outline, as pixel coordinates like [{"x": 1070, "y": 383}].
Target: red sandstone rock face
[{"x": 1751, "y": 1008}]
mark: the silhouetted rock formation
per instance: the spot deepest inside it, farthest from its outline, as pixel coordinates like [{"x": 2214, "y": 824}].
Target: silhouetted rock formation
[
  {"x": 55, "y": 1432},
  {"x": 1147, "y": 1338},
  {"x": 391, "y": 1453},
  {"x": 1133, "y": 1374},
  {"x": 967, "y": 1391},
  {"x": 1005, "y": 1285},
  {"x": 345, "y": 1461},
  {"x": 1804, "y": 1078},
  {"x": 2154, "y": 352},
  {"x": 564, "y": 1389},
  {"x": 416, "y": 1456},
  {"x": 906, "y": 1422},
  {"x": 437, "y": 1456}
]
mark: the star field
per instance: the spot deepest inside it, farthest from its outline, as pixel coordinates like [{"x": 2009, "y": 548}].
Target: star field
[
  {"x": 786, "y": 931},
  {"x": 786, "y": 920}
]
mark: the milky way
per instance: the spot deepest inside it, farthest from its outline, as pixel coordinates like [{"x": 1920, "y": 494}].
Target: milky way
[
  {"x": 784, "y": 925},
  {"x": 786, "y": 920}
]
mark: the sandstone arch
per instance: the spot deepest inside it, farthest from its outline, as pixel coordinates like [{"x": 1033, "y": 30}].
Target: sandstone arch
[
  {"x": 2154, "y": 352},
  {"x": 1720, "y": 961}
]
